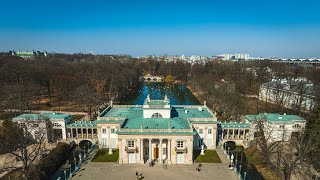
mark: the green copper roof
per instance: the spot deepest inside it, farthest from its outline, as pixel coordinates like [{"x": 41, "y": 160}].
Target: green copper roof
[
  {"x": 27, "y": 117},
  {"x": 50, "y": 115},
  {"x": 157, "y": 123},
  {"x": 109, "y": 121},
  {"x": 134, "y": 123},
  {"x": 129, "y": 112},
  {"x": 275, "y": 118}
]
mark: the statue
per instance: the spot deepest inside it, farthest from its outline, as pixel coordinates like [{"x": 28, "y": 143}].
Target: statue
[
  {"x": 202, "y": 150},
  {"x": 110, "y": 151}
]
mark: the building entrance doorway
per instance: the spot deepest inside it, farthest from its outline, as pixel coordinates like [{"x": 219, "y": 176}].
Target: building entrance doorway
[{"x": 155, "y": 152}]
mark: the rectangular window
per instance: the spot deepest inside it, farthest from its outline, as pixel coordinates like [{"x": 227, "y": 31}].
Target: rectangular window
[
  {"x": 200, "y": 131},
  {"x": 209, "y": 131},
  {"x": 180, "y": 144},
  {"x": 113, "y": 130},
  {"x": 282, "y": 126},
  {"x": 130, "y": 144},
  {"x": 104, "y": 131}
]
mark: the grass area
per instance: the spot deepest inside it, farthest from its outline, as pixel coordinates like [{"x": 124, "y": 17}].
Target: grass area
[
  {"x": 103, "y": 156},
  {"x": 210, "y": 156},
  {"x": 255, "y": 159},
  {"x": 8, "y": 115}
]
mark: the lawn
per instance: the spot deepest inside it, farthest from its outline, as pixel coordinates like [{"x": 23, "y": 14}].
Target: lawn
[
  {"x": 103, "y": 156},
  {"x": 210, "y": 156}
]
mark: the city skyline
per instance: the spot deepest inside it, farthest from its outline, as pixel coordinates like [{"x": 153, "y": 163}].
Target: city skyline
[{"x": 267, "y": 29}]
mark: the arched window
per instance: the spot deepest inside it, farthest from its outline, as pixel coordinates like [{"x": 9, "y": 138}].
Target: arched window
[{"x": 156, "y": 115}]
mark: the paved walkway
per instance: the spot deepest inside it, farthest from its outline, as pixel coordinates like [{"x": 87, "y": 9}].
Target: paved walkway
[{"x": 114, "y": 171}]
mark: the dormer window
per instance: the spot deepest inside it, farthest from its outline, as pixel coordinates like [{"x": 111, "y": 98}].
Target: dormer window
[{"x": 156, "y": 115}]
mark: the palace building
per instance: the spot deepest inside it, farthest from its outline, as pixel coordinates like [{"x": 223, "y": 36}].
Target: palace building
[
  {"x": 163, "y": 132},
  {"x": 157, "y": 131}
]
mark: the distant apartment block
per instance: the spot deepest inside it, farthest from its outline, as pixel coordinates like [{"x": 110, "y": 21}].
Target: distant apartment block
[
  {"x": 296, "y": 93},
  {"x": 28, "y": 54},
  {"x": 234, "y": 56}
]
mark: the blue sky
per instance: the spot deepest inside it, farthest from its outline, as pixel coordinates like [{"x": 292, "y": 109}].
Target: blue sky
[{"x": 140, "y": 27}]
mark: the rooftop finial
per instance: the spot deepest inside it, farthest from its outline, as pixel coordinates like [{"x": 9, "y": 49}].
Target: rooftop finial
[
  {"x": 111, "y": 103},
  {"x": 148, "y": 98},
  {"x": 205, "y": 103}
]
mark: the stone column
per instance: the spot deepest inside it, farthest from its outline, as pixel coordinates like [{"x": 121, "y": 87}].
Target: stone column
[
  {"x": 82, "y": 132},
  {"x": 108, "y": 139},
  {"x": 71, "y": 132},
  {"x": 150, "y": 150},
  {"x": 92, "y": 133},
  {"x": 222, "y": 135},
  {"x": 227, "y": 133},
  {"x": 141, "y": 150},
  {"x": 160, "y": 151},
  {"x": 239, "y": 130},
  {"x": 205, "y": 135},
  {"x": 232, "y": 133},
  {"x": 77, "y": 132},
  {"x": 87, "y": 133},
  {"x": 120, "y": 151},
  {"x": 169, "y": 151}
]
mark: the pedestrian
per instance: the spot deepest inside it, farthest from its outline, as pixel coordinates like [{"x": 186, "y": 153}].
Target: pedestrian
[{"x": 137, "y": 173}]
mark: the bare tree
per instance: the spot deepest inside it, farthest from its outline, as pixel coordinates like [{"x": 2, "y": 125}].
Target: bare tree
[
  {"x": 263, "y": 139},
  {"x": 24, "y": 141},
  {"x": 295, "y": 158},
  {"x": 87, "y": 99}
]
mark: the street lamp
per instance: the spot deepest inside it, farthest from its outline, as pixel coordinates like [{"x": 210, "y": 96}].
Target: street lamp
[
  {"x": 75, "y": 164},
  {"x": 245, "y": 175},
  {"x": 240, "y": 170},
  {"x": 231, "y": 161},
  {"x": 70, "y": 174},
  {"x": 65, "y": 175}
]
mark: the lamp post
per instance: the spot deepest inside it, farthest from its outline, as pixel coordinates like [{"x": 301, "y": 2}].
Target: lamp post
[
  {"x": 70, "y": 174},
  {"x": 245, "y": 175},
  {"x": 231, "y": 159},
  {"x": 240, "y": 170},
  {"x": 75, "y": 164},
  {"x": 65, "y": 175}
]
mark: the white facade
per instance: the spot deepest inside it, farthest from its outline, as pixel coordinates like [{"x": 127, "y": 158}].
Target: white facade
[
  {"x": 281, "y": 92},
  {"x": 276, "y": 127}
]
